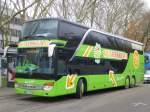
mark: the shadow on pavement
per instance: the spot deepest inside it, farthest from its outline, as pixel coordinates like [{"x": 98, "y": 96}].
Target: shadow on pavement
[{"x": 72, "y": 96}]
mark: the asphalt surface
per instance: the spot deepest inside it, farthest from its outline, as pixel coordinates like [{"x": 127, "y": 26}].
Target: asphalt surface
[{"x": 111, "y": 100}]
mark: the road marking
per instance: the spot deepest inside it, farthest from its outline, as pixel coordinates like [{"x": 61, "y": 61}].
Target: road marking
[{"x": 139, "y": 104}]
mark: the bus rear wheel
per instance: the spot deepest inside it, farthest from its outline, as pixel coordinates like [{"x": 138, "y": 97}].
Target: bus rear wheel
[
  {"x": 80, "y": 89},
  {"x": 133, "y": 82},
  {"x": 127, "y": 83}
]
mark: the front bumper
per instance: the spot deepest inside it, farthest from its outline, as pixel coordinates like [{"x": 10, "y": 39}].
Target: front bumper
[
  {"x": 50, "y": 93},
  {"x": 33, "y": 87},
  {"x": 146, "y": 79}
]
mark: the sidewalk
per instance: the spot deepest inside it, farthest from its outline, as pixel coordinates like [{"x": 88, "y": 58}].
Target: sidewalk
[{"x": 5, "y": 91}]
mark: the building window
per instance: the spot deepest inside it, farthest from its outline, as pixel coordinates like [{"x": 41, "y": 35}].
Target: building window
[
  {"x": 16, "y": 21},
  {"x": 1, "y": 43},
  {"x": 14, "y": 32}
]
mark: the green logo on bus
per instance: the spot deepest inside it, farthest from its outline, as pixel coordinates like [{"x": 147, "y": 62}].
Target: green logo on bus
[{"x": 97, "y": 53}]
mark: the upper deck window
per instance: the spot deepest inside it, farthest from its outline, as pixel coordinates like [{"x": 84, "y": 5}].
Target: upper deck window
[
  {"x": 67, "y": 30},
  {"x": 40, "y": 27}
]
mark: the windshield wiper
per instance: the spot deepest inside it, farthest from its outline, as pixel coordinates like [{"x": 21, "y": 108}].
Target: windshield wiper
[{"x": 32, "y": 32}]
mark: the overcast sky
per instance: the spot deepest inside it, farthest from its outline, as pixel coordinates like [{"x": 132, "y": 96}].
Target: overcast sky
[{"x": 148, "y": 3}]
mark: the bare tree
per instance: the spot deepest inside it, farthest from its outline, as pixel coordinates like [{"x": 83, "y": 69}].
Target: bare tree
[
  {"x": 75, "y": 10},
  {"x": 14, "y": 12},
  {"x": 9, "y": 9},
  {"x": 139, "y": 30},
  {"x": 109, "y": 15},
  {"x": 114, "y": 15}
]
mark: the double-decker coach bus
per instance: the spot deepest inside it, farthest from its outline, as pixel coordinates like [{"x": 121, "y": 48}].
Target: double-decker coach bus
[{"x": 58, "y": 57}]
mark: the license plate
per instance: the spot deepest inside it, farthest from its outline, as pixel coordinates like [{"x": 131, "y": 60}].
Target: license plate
[{"x": 28, "y": 92}]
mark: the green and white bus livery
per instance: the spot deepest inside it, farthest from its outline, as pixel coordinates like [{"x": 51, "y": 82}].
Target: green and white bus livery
[{"x": 57, "y": 57}]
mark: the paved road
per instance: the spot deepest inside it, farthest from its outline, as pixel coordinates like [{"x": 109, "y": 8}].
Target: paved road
[{"x": 117, "y": 100}]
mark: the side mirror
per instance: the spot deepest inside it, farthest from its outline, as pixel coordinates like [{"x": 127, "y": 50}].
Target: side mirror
[
  {"x": 51, "y": 49},
  {"x": 13, "y": 45}
]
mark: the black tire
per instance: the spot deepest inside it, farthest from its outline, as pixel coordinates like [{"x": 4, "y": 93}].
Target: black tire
[
  {"x": 80, "y": 89},
  {"x": 133, "y": 82},
  {"x": 127, "y": 83}
]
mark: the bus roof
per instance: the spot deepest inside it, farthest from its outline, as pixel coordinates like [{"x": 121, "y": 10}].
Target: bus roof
[
  {"x": 120, "y": 37},
  {"x": 103, "y": 32},
  {"x": 60, "y": 19}
]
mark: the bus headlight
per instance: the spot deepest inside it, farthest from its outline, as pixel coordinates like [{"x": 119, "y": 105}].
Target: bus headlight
[{"x": 48, "y": 86}]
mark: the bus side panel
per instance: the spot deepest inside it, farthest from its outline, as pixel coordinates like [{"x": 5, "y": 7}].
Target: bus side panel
[
  {"x": 62, "y": 88},
  {"x": 135, "y": 67},
  {"x": 139, "y": 72}
]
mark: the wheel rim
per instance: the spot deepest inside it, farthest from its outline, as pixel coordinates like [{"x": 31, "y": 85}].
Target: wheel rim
[
  {"x": 127, "y": 83},
  {"x": 81, "y": 89},
  {"x": 134, "y": 82}
]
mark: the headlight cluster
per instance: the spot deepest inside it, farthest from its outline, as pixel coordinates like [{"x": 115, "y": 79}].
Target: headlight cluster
[{"x": 48, "y": 86}]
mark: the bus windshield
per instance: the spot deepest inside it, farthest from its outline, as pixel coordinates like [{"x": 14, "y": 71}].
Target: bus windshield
[
  {"x": 39, "y": 27},
  {"x": 35, "y": 60}
]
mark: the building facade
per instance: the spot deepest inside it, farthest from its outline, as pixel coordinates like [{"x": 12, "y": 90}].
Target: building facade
[{"x": 14, "y": 32}]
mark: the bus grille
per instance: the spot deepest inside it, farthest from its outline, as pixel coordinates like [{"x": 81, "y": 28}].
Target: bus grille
[{"x": 30, "y": 86}]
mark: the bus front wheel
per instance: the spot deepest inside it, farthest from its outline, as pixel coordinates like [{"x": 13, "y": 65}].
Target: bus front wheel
[{"x": 80, "y": 89}]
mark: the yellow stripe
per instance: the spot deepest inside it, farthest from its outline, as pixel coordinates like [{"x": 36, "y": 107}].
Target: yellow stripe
[
  {"x": 114, "y": 81},
  {"x": 91, "y": 48},
  {"x": 86, "y": 51},
  {"x": 112, "y": 78}
]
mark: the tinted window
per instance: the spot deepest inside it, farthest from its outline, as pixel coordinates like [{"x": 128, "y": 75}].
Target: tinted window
[
  {"x": 35, "y": 59},
  {"x": 113, "y": 42},
  {"x": 108, "y": 41},
  {"x": 88, "y": 66},
  {"x": 120, "y": 44},
  {"x": 67, "y": 29},
  {"x": 48, "y": 27},
  {"x": 118, "y": 66},
  {"x": 94, "y": 37},
  {"x": 62, "y": 69}
]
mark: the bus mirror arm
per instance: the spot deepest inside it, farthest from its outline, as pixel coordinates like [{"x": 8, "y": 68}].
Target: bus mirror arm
[{"x": 51, "y": 48}]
